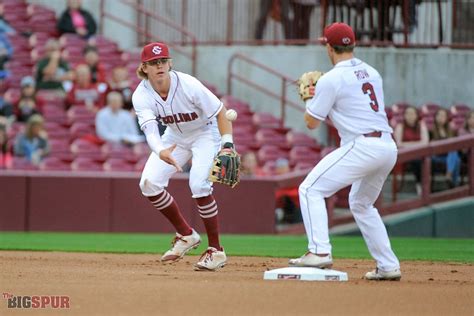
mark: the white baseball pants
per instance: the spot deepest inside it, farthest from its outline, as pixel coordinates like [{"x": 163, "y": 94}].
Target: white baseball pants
[
  {"x": 365, "y": 163},
  {"x": 202, "y": 147}
]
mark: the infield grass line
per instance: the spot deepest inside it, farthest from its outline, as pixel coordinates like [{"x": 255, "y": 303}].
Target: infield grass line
[{"x": 432, "y": 249}]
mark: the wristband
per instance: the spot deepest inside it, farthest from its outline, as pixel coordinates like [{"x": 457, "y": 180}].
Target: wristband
[{"x": 226, "y": 138}]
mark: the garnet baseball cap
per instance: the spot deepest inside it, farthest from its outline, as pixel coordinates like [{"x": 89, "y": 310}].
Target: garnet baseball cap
[
  {"x": 155, "y": 51},
  {"x": 338, "y": 34}
]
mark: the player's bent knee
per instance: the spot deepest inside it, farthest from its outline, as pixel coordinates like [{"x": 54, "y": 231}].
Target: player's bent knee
[
  {"x": 200, "y": 189},
  {"x": 148, "y": 188}
]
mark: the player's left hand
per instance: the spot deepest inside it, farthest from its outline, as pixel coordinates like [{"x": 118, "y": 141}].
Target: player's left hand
[
  {"x": 307, "y": 83},
  {"x": 166, "y": 156},
  {"x": 226, "y": 166}
]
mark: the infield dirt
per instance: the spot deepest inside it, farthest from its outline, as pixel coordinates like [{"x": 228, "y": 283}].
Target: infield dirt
[{"x": 130, "y": 284}]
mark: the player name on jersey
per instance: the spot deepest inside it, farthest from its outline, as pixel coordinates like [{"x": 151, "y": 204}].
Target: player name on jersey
[{"x": 178, "y": 118}]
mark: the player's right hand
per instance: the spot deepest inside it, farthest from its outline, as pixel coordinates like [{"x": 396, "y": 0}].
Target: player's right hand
[{"x": 166, "y": 156}]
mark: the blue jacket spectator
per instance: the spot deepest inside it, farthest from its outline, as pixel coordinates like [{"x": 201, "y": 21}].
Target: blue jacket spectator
[
  {"x": 33, "y": 143},
  {"x": 6, "y": 51}
]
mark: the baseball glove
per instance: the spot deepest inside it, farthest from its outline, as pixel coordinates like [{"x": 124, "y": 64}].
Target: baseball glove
[
  {"x": 307, "y": 83},
  {"x": 226, "y": 166}
]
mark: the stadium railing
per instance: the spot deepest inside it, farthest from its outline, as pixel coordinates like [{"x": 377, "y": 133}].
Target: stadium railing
[{"x": 402, "y": 23}]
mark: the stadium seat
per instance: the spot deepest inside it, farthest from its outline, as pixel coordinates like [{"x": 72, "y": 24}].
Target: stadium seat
[
  {"x": 21, "y": 163},
  {"x": 264, "y": 119},
  {"x": 429, "y": 122},
  {"x": 140, "y": 164},
  {"x": 111, "y": 150},
  {"x": 80, "y": 129},
  {"x": 117, "y": 164},
  {"x": 141, "y": 150},
  {"x": 429, "y": 109},
  {"x": 85, "y": 148},
  {"x": 79, "y": 113},
  {"x": 303, "y": 154},
  {"x": 270, "y": 152},
  {"x": 399, "y": 107},
  {"x": 303, "y": 166},
  {"x": 86, "y": 164},
  {"x": 459, "y": 110},
  {"x": 54, "y": 164},
  {"x": 294, "y": 138},
  {"x": 268, "y": 136}
]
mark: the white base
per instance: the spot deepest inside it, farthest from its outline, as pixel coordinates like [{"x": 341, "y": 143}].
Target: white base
[{"x": 305, "y": 274}]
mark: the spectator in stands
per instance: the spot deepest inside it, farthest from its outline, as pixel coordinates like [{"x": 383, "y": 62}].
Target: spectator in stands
[
  {"x": 412, "y": 132},
  {"x": 5, "y": 154},
  {"x": 6, "y": 52},
  {"x": 84, "y": 92},
  {"x": 442, "y": 130},
  {"x": 33, "y": 143},
  {"x": 278, "y": 10},
  {"x": 52, "y": 70},
  {"x": 468, "y": 127},
  {"x": 6, "y": 110},
  {"x": 250, "y": 165},
  {"x": 114, "y": 124},
  {"x": 5, "y": 27},
  {"x": 27, "y": 105},
  {"x": 302, "y": 17},
  {"x": 121, "y": 83},
  {"x": 91, "y": 59},
  {"x": 77, "y": 20}
]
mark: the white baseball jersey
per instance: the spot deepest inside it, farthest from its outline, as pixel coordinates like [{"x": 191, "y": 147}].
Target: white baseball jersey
[
  {"x": 189, "y": 107},
  {"x": 189, "y": 112},
  {"x": 351, "y": 94}
]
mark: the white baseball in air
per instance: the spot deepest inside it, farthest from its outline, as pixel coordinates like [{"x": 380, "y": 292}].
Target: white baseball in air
[{"x": 231, "y": 115}]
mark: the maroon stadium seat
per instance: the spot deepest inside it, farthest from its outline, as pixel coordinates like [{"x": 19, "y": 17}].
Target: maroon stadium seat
[
  {"x": 86, "y": 164},
  {"x": 117, "y": 164},
  {"x": 85, "y": 148},
  {"x": 301, "y": 139},
  {"x": 460, "y": 110},
  {"x": 270, "y": 152},
  {"x": 264, "y": 119},
  {"x": 266, "y": 136},
  {"x": 303, "y": 154},
  {"x": 21, "y": 163},
  {"x": 53, "y": 163}
]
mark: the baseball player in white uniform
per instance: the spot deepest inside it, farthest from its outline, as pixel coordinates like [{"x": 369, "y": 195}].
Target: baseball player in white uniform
[
  {"x": 351, "y": 95},
  {"x": 196, "y": 126}
]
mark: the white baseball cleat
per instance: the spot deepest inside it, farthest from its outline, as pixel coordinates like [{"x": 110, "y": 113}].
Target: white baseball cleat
[
  {"x": 379, "y": 275},
  {"x": 180, "y": 246},
  {"x": 310, "y": 259},
  {"x": 211, "y": 260}
]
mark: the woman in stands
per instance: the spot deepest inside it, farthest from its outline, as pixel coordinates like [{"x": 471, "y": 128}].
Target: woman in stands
[
  {"x": 412, "y": 132},
  {"x": 33, "y": 143},
  {"x": 468, "y": 127},
  {"x": 77, "y": 20},
  {"x": 442, "y": 130}
]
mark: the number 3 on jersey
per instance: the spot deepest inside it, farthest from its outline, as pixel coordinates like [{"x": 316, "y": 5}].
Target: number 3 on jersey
[{"x": 368, "y": 89}]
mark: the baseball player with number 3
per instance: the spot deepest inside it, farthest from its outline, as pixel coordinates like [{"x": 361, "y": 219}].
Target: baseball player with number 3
[
  {"x": 351, "y": 95},
  {"x": 196, "y": 129}
]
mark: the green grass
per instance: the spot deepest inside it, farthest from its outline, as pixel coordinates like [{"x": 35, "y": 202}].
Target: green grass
[{"x": 460, "y": 250}]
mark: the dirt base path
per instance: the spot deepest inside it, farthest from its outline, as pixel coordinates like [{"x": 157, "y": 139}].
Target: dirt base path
[{"x": 126, "y": 284}]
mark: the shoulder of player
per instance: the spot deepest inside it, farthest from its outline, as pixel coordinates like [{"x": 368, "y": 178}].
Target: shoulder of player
[
  {"x": 141, "y": 93},
  {"x": 329, "y": 78}
]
